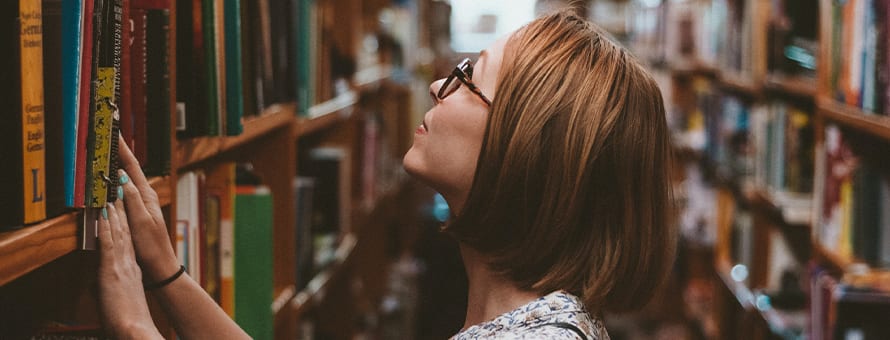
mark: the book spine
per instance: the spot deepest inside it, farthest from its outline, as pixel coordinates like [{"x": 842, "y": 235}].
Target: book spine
[
  {"x": 227, "y": 240},
  {"x": 210, "y": 65},
  {"x": 234, "y": 71},
  {"x": 106, "y": 115},
  {"x": 253, "y": 263},
  {"x": 72, "y": 41},
  {"x": 33, "y": 142},
  {"x": 52, "y": 107},
  {"x": 138, "y": 86},
  {"x": 304, "y": 56},
  {"x": 125, "y": 106},
  {"x": 114, "y": 139},
  {"x": 84, "y": 102},
  {"x": 158, "y": 92}
]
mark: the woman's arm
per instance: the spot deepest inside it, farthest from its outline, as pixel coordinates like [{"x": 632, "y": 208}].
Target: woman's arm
[
  {"x": 121, "y": 298},
  {"x": 193, "y": 313}
]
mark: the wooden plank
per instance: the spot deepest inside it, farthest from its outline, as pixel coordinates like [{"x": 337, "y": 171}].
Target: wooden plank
[
  {"x": 328, "y": 114},
  {"x": 26, "y": 249},
  {"x": 192, "y": 151},
  {"x": 851, "y": 117},
  {"x": 799, "y": 86}
]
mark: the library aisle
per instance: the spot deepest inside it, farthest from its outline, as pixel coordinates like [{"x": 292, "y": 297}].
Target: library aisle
[{"x": 273, "y": 133}]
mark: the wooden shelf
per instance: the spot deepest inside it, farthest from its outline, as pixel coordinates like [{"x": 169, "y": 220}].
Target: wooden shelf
[
  {"x": 835, "y": 260},
  {"x": 688, "y": 68},
  {"x": 316, "y": 288},
  {"x": 793, "y": 209},
  {"x": 795, "y": 85},
  {"x": 739, "y": 84},
  {"x": 327, "y": 114},
  {"x": 26, "y": 249},
  {"x": 877, "y": 125},
  {"x": 195, "y": 150}
]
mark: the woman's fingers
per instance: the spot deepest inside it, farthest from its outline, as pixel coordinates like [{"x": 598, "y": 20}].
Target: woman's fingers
[
  {"x": 133, "y": 202},
  {"x": 121, "y": 213},
  {"x": 106, "y": 238},
  {"x": 117, "y": 232},
  {"x": 132, "y": 168}
]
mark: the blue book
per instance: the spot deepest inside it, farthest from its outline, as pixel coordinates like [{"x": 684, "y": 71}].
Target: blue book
[{"x": 72, "y": 40}]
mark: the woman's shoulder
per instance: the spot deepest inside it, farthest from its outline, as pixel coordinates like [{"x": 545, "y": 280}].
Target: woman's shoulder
[{"x": 558, "y": 315}]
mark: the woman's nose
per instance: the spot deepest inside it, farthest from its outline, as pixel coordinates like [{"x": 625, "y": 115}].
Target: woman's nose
[{"x": 434, "y": 90}]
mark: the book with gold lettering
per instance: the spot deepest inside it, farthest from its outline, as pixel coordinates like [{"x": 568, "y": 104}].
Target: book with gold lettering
[
  {"x": 23, "y": 199},
  {"x": 105, "y": 123}
]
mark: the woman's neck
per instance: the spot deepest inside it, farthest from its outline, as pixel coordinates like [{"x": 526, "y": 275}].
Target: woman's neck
[{"x": 490, "y": 295}]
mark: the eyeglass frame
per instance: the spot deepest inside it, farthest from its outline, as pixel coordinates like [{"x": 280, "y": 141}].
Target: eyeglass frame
[{"x": 464, "y": 73}]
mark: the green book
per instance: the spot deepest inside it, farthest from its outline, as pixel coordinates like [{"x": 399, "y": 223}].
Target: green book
[
  {"x": 208, "y": 13},
  {"x": 234, "y": 72},
  {"x": 253, "y": 261}
]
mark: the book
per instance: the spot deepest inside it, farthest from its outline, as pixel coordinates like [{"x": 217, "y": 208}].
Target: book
[
  {"x": 86, "y": 101},
  {"x": 331, "y": 169},
  {"x": 138, "y": 100},
  {"x": 219, "y": 192},
  {"x": 125, "y": 105},
  {"x": 23, "y": 201},
  {"x": 189, "y": 223},
  {"x": 53, "y": 111},
  {"x": 304, "y": 187},
  {"x": 224, "y": 176},
  {"x": 194, "y": 90},
  {"x": 253, "y": 260},
  {"x": 234, "y": 71},
  {"x": 157, "y": 86},
  {"x": 102, "y": 168},
  {"x": 211, "y": 65},
  {"x": 71, "y": 53}
]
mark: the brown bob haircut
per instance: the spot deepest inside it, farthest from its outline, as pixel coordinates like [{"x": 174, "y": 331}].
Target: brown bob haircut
[{"x": 572, "y": 189}]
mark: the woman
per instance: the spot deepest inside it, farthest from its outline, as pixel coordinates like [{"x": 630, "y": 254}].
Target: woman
[{"x": 553, "y": 154}]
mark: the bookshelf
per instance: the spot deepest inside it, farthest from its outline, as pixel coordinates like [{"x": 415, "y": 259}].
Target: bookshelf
[
  {"x": 854, "y": 118},
  {"x": 28, "y": 248},
  {"x": 275, "y": 130},
  {"x": 779, "y": 64}
]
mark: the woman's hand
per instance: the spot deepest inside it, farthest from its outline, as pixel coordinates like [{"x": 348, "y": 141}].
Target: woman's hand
[
  {"x": 124, "y": 309},
  {"x": 152, "y": 243}
]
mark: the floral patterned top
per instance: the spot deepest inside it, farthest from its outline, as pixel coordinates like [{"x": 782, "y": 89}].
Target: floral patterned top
[{"x": 540, "y": 319}]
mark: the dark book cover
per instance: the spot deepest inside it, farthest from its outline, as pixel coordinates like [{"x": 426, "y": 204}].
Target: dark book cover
[
  {"x": 866, "y": 214},
  {"x": 53, "y": 111},
  {"x": 138, "y": 104},
  {"x": 191, "y": 91},
  {"x": 283, "y": 51},
  {"x": 252, "y": 105},
  {"x": 125, "y": 106},
  {"x": 158, "y": 92}
]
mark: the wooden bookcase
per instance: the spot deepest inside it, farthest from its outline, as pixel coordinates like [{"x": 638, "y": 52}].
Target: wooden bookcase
[
  {"x": 740, "y": 307},
  {"x": 271, "y": 141}
]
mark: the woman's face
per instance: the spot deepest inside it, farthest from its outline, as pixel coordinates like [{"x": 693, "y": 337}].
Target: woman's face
[{"x": 448, "y": 141}]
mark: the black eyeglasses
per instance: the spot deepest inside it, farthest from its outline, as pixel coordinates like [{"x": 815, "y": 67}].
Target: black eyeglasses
[{"x": 464, "y": 73}]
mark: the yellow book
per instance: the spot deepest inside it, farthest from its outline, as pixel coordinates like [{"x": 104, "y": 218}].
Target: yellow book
[
  {"x": 31, "y": 47},
  {"x": 102, "y": 123}
]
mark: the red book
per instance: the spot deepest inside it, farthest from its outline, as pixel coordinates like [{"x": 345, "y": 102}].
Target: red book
[
  {"x": 83, "y": 114},
  {"x": 138, "y": 104},
  {"x": 125, "y": 106}
]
